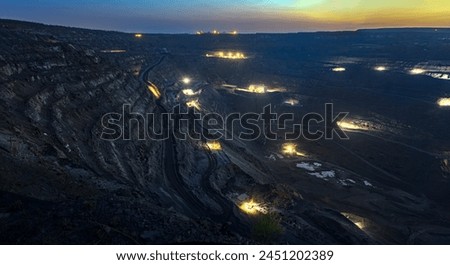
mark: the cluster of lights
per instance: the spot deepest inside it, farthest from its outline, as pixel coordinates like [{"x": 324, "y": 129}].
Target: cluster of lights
[
  {"x": 260, "y": 89},
  {"x": 413, "y": 71},
  {"x": 188, "y": 91},
  {"x": 342, "y": 69},
  {"x": 227, "y": 55},
  {"x": 216, "y": 32},
  {"x": 213, "y": 32},
  {"x": 214, "y": 145},
  {"x": 138, "y": 35},
  {"x": 444, "y": 102}
]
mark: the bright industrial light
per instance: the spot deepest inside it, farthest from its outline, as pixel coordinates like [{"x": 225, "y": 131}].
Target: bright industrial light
[
  {"x": 193, "y": 104},
  {"x": 359, "y": 221},
  {"x": 250, "y": 207},
  {"x": 290, "y": 149},
  {"x": 188, "y": 92},
  {"x": 441, "y": 76},
  {"x": 350, "y": 126},
  {"x": 214, "y": 145},
  {"x": 234, "y": 32},
  {"x": 257, "y": 89},
  {"x": 273, "y": 90},
  {"x": 417, "y": 71},
  {"x": 154, "y": 90},
  {"x": 338, "y": 69},
  {"x": 113, "y": 51},
  {"x": 260, "y": 89},
  {"x": 360, "y": 225},
  {"x": 227, "y": 55},
  {"x": 291, "y": 101},
  {"x": 138, "y": 35},
  {"x": 186, "y": 80},
  {"x": 444, "y": 102},
  {"x": 380, "y": 68}
]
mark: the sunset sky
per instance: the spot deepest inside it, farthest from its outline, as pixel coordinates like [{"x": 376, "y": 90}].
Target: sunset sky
[{"x": 187, "y": 16}]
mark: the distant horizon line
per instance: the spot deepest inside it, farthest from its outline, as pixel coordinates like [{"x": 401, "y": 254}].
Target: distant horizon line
[{"x": 228, "y": 32}]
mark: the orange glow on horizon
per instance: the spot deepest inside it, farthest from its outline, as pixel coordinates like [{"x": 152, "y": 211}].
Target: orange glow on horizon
[
  {"x": 354, "y": 14},
  {"x": 280, "y": 16}
]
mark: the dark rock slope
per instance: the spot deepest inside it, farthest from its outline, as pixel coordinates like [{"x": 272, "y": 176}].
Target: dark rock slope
[{"x": 59, "y": 183}]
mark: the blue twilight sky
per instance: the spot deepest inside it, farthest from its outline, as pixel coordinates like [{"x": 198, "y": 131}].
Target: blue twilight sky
[{"x": 178, "y": 16}]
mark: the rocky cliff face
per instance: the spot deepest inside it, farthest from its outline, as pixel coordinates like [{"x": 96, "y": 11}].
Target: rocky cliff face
[{"x": 59, "y": 182}]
